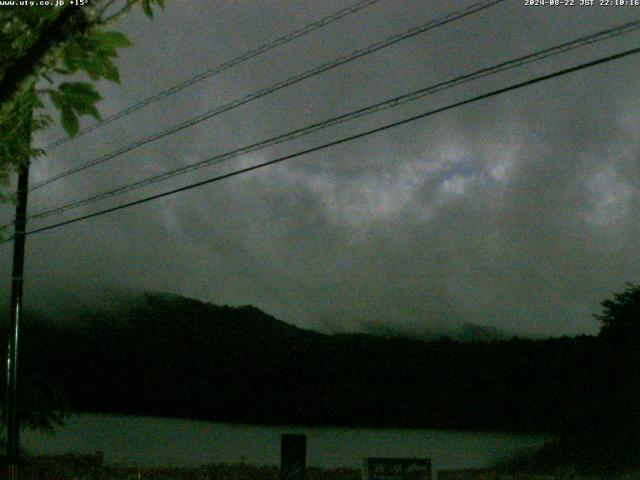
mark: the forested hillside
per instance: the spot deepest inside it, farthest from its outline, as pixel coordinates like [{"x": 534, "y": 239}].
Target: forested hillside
[{"x": 166, "y": 355}]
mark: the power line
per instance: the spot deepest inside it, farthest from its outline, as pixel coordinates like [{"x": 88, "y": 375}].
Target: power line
[
  {"x": 219, "y": 68},
  {"x": 340, "y": 141},
  {"x": 375, "y": 108},
  {"x": 276, "y": 87}
]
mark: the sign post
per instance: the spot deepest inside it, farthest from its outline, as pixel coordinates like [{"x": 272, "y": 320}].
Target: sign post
[{"x": 293, "y": 453}]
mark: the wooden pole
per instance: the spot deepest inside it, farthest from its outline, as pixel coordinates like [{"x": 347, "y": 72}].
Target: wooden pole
[{"x": 16, "y": 308}]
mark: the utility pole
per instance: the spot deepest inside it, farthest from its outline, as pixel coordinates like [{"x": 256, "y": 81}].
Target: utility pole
[{"x": 16, "y": 310}]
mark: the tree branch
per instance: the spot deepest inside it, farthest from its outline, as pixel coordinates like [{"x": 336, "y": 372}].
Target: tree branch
[
  {"x": 69, "y": 22},
  {"x": 115, "y": 16}
]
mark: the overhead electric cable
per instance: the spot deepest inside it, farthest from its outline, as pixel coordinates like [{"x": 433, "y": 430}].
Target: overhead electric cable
[
  {"x": 378, "y": 107},
  {"x": 324, "y": 146},
  {"x": 219, "y": 68},
  {"x": 276, "y": 87}
]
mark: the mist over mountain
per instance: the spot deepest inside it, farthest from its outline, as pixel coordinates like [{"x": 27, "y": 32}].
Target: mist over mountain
[
  {"x": 466, "y": 333},
  {"x": 71, "y": 306}
]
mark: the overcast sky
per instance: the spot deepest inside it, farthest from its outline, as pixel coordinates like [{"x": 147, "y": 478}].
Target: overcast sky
[{"x": 521, "y": 211}]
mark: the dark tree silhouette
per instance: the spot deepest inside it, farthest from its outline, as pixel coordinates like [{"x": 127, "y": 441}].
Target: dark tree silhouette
[
  {"x": 621, "y": 315},
  {"x": 608, "y": 435}
]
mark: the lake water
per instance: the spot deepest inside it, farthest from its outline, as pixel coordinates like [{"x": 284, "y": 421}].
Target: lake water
[{"x": 156, "y": 441}]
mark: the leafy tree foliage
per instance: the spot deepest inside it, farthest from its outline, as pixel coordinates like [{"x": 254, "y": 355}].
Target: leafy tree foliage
[
  {"x": 621, "y": 314},
  {"x": 605, "y": 431},
  {"x": 44, "y": 46},
  {"x": 42, "y": 403},
  {"x": 47, "y": 43}
]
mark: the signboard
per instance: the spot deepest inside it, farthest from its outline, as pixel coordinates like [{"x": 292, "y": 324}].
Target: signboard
[{"x": 397, "y": 469}]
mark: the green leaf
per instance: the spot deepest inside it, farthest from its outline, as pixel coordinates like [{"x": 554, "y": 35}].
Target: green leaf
[
  {"x": 111, "y": 40},
  {"x": 161, "y": 3},
  {"x": 69, "y": 121},
  {"x": 73, "y": 55},
  {"x": 86, "y": 109},
  {"x": 93, "y": 70},
  {"x": 111, "y": 73},
  {"x": 79, "y": 93},
  {"x": 146, "y": 7},
  {"x": 77, "y": 98},
  {"x": 57, "y": 98}
]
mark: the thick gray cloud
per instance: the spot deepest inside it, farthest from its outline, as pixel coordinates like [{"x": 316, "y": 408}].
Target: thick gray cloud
[{"x": 521, "y": 211}]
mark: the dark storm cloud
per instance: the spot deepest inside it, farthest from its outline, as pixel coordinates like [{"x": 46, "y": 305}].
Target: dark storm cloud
[{"x": 521, "y": 211}]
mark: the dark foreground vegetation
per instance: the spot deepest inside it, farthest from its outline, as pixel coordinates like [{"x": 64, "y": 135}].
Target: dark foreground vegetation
[
  {"x": 89, "y": 467},
  {"x": 166, "y": 355},
  {"x": 83, "y": 467}
]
